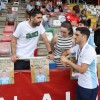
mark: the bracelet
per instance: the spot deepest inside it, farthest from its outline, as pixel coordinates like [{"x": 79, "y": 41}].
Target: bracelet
[{"x": 50, "y": 52}]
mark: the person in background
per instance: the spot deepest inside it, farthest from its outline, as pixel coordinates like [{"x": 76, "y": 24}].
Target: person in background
[
  {"x": 87, "y": 88},
  {"x": 24, "y": 40},
  {"x": 49, "y": 7},
  {"x": 47, "y": 21},
  {"x": 72, "y": 17},
  {"x": 62, "y": 41},
  {"x": 83, "y": 16},
  {"x": 10, "y": 17},
  {"x": 37, "y": 5},
  {"x": 96, "y": 24},
  {"x": 59, "y": 5},
  {"x": 29, "y": 7}
]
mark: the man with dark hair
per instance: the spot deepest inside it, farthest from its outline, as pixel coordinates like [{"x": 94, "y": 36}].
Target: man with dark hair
[
  {"x": 25, "y": 38},
  {"x": 87, "y": 88}
]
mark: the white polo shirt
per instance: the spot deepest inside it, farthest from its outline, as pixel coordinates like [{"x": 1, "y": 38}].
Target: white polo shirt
[{"x": 87, "y": 55}]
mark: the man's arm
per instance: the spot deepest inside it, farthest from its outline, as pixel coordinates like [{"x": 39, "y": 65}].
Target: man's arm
[
  {"x": 44, "y": 37},
  {"x": 13, "y": 48},
  {"x": 53, "y": 41},
  {"x": 66, "y": 52},
  {"x": 81, "y": 69}
]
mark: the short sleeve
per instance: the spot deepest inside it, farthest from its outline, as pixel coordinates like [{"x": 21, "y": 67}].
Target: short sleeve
[
  {"x": 18, "y": 31},
  {"x": 88, "y": 56}
]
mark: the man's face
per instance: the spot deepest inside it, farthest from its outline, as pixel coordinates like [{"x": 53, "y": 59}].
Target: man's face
[
  {"x": 78, "y": 37},
  {"x": 36, "y": 20}
]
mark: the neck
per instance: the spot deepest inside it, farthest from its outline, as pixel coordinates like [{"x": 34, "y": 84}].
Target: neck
[
  {"x": 82, "y": 44},
  {"x": 30, "y": 23}
]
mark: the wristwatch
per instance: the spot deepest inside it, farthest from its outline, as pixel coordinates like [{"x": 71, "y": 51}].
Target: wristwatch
[{"x": 50, "y": 52}]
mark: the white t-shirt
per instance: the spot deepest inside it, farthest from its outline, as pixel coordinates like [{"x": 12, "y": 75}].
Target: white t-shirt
[
  {"x": 88, "y": 56},
  {"x": 27, "y": 38},
  {"x": 10, "y": 17}
]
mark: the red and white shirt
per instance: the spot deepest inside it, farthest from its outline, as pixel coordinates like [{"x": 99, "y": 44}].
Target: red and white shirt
[{"x": 72, "y": 18}]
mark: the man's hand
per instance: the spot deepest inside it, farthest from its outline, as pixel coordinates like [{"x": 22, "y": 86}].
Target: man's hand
[
  {"x": 14, "y": 58},
  {"x": 50, "y": 56},
  {"x": 63, "y": 59}
]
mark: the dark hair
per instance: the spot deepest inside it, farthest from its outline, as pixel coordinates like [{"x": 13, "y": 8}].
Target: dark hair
[
  {"x": 67, "y": 24},
  {"x": 76, "y": 8},
  {"x": 83, "y": 11},
  {"x": 33, "y": 12},
  {"x": 9, "y": 8},
  {"x": 49, "y": 14},
  {"x": 84, "y": 22},
  {"x": 84, "y": 31},
  {"x": 4, "y": 71}
]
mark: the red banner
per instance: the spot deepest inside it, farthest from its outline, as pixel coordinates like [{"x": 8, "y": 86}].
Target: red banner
[{"x": 24, "y": 89}]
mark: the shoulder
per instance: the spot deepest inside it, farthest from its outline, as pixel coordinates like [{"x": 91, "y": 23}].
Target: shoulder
[
  {"x": 89, "y": 50},
  {"x": 23, "y": 23}
]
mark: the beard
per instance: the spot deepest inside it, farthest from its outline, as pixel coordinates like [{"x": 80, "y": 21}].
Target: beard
[{"x": 36, "y": 24}]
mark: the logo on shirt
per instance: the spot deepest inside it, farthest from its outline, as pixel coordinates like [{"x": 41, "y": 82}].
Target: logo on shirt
[{"x": 31, "y": 35}]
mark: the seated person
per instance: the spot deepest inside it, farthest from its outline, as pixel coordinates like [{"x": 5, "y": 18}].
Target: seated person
[
  {"x": 37, "y": 5},
  {"x": 16, "y": 2},
  {"x": 83, "y": 16},
  {"x": 29, "y": 7},
  {"x": 47, "y": 21},
  {"x": 59, "y": 5},
  {"x": 49, "y": 7},
  {"x": 10, "y": 17},
  {"x": 72, "y": 17}
]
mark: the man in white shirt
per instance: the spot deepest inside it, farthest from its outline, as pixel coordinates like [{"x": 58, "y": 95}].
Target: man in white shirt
[
  {"x": 87, "y": 88},
  {"x": 25, "y": 38}
]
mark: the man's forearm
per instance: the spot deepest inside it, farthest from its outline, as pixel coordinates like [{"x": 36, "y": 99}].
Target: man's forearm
[
  {"x": 13, "y": 45},
  {"x": 48, "y": 46}
]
